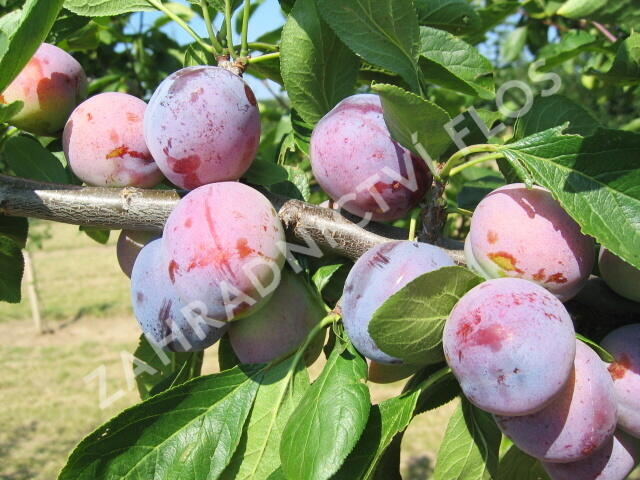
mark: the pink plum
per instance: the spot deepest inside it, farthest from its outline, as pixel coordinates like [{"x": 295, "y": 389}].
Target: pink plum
[
  {"x": 614, "y": 461},
  {"x": 165, "y": 320},
  {"x": 359, "y": 165},
  {"x": 104, "y": 142},
  {"x": 525, "y": 233},
  {"x": 224, "y": 245},
  {"x": 624, "y": 344},
  {"x": 50, "y": 85},
  {"x": 511, "y": 345},
  {"x": 378, "y": 274},
  {"x": 203, "y": 126},
  {"x": 577, "y": 423}
]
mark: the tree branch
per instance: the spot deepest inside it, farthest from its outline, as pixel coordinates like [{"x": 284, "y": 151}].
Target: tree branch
[
  {"x": 305, "y": 224},
  {"x": 136, "y": 209}
]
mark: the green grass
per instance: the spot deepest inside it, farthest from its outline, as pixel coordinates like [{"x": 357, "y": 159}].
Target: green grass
[{"x": 75, "y": 277}]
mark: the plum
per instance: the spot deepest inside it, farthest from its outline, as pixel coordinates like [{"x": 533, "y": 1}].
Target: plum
[
  {"x": 202, "y": 126},
  {"x": 511, "y": 345},
  {"x": 104, "y": 142},
  {"x": 165, "y": 320},
  {"x": 378, "y": 274},
  {"x": 224, "y": 245},
  {"x": 359, "y": 165},
  {"x": 525, "y": 233},
  {"x": 130, "y": 242},
  {"x": 621, "y": 277},
  {"x": 281, "y": 325},
  {"x": 50, "y": 85},
  {"x": 614, "y": 461},
  {"x": 624, "y": 344},
  {"x": 574, "y": 425}
]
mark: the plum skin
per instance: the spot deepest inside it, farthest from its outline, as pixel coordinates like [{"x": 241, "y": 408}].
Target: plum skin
[
  {"x": 281, "y": 326},
  {"x": 104, "y": 142},
  {"x": 501, "y": 338},
  {"x": 624, "y": 344},
  {"x": 614, "y": 461},
  {"x": 576, "y": 423},
  {"x": 349, "y": 149},
  {"x": 159, "y": 310},
  {"x": 525, "y": 233},
  {"x": 130, "y": 243},
  {"x": 621, "y": 277},
  {"x": 378, "y": 274},
  {"x": 224, "y": 245},
  {"x": 50, "y": 85},
  {"x": 202, "y": 126}
]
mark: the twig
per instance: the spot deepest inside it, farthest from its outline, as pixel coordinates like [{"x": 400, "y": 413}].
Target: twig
[{"x": 604, "y": 31}]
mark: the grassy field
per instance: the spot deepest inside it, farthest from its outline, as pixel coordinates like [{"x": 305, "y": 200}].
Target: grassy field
[{"x": 48, "y": 406}]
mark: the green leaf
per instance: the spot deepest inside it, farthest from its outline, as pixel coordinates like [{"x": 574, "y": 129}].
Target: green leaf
[
  {"x": 9, "y": 111},
  {"x": 516, "y": 465},
  {"x": 572, "y": 43},
  {"x": 227, "y": 358},
  {"x": 15, "y": 229},
  {"x": 580, "y": 8},
  {"x": 106, "y": 8},
  {"x": 513, "y": 44},
  {"x": 383, "y": 32},
  {"x": 195, "y": 55},
  {"x": 625, "y": 69},
  {"x": 386, "y": 420},
  {"x": 12, "y": 268},
  {"x": 623, "y": 13},
  {"x": 594, "y": 178},
  {"x": 602, "y": 353},
  {"x": 323, "y": 275},
  {"x": 317, "y": 68},
  {"x": 265, "y": 172},
  {"x": 454, "y": 64},
  {"x": 470, "y": 446},
  {"x": 22, "y": 37},
  {"x": 155, "y": 372},
  {"x": 409, "y": 324},
  {"x": 96, "y": 234},
  {"x": 28, "y": 159},
  {"x": 414, "y": 122},
  {"x": 189, "y": 432},
  {"x": 329, "y": 420},
  {"x": 455, "y": 16},
  {"x": 258, "y": 455},
  {"x": 553, "y": 111}
]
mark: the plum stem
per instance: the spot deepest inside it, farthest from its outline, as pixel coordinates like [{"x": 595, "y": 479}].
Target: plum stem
[
  {"x": 460, "y": 155},
  {"x": 244, "y": 47},
  {"x": 474, "y": 161},
  {"x": 413, "y": 225},
  {"x": 227, "y": 18},
  {"x": 157, "y": 4},
  {"x": 206, "y": 14},
  {"x": 264, "y": 58}
]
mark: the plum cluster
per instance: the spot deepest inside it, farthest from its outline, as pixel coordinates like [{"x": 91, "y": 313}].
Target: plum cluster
[
  {"x": 221, "y": 254},
  {"x": 202, "y": 124}
]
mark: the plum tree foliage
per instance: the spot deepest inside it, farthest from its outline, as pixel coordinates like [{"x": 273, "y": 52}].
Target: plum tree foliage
[{"x": 477, "y": 160}]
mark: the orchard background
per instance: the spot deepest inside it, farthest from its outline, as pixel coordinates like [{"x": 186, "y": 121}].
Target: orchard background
[{"x": 481, "y": 93}]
